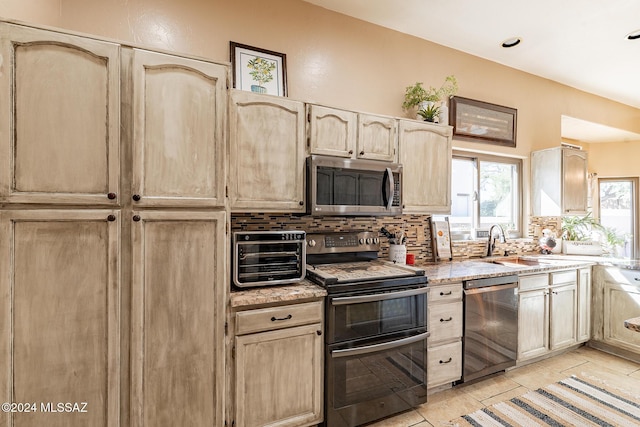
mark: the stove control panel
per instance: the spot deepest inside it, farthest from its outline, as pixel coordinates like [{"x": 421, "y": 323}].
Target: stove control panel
[{"x": 363, "y": 241}]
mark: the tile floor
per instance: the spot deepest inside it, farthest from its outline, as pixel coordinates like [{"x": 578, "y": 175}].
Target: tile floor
[{"x": 463, "y": 399}]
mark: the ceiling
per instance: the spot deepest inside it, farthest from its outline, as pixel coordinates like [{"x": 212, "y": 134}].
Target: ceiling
[{"x": 579, "y": 43}]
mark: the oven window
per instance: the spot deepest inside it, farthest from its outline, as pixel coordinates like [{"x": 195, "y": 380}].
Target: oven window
[
  {"x": 359, "y": 383},
  {"x": 367, "y": 319}
]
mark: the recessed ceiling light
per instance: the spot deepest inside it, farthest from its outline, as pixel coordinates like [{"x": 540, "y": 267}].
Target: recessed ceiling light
[
  {"x": 634, "y": 35},
  {"x": 513, "y": 41}
]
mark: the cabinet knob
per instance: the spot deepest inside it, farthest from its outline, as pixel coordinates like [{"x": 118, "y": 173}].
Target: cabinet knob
[
  {"x": 111, "y": 196},
  {"x": 301, "y": 203},
  {"x": 136, "y": 218},
  {"x": 136, "y": 197},
  {"x": 319, "y": 333},
  {"x": 111, "y": 218},
  {"x": 362, "y": 153},
  {"x": 350, "y": 151}
]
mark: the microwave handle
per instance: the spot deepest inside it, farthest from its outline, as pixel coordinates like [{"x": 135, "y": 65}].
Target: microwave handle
[{"x": 391, "y": 188}]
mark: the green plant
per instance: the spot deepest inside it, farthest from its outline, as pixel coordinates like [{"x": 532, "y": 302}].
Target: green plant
[
  {"x": 429, "y": 113},
  {"x": 261, "y": 70},
  {"x": 584, "y": 228},
  {"x": 416, "y": 93}
]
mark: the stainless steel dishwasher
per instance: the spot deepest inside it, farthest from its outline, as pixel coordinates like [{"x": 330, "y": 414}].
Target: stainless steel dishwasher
[{"x": 490, "y": 340}]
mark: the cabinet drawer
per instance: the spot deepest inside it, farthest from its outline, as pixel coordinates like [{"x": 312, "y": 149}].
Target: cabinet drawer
[
  {"x": 445, "y": 321},
  {"x": 445, "y": 293},
  {"x": 562, "y": 277},
  {"x": 535, "y": 281},
  {"x": 266, "y": 319},
  {"x": 444, "y": 364}
]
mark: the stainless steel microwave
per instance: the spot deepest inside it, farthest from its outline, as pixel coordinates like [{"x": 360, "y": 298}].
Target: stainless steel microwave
[{"x": 338, "y": 186}]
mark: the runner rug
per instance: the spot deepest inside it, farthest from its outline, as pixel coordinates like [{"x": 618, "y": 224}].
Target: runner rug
[{"x": 570, "y": 402}]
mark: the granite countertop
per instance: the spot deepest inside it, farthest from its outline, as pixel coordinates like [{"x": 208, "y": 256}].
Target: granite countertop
[
  {"x": 449, "y": 271},
  {"x": 274, "y": 294},
  {"x": 633, "y": 324}
]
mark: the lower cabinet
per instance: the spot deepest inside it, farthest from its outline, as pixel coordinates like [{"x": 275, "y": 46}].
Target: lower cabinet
[
  {"x": 60, "y": 316},
  {"x": 444, "y": 346},
  {"x": 549, "y": 317},
  {"x": 616, "y": 299},
  {"x": 279, "y": 366}
]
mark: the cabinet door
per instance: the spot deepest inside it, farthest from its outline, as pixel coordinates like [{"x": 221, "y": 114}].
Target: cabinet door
[
  {"x": 289, "y": 392},
  {"x": 584, "y": 304},
  {"x": 563, "y": 315},
  {"x": 377, "y": 137},
  {"x": 60, "y": 311},
  {"x": 332, "y": 132},
  {"x": 267, "y": 153},
  {"x": 533, "y": 324},
  {"x": 60, "y": 115},
  {"x": 425, "y": 154},
  {"x": 177, "y": 320},
  {"x": 620, "y": 304},
  {"x": 574, "y": 182},
  {"x": 179, "y": 116}
]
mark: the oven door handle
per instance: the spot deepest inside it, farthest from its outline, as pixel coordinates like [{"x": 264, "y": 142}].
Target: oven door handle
[
  {"x": 379, "y": 347},
  {"x": 378, "y": 297},
  {"x": 490, "y": 289}
]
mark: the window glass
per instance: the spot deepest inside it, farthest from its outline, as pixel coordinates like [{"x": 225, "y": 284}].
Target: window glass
[
  {"x": 617, "y": 213},
  {"x": 484, "y": 191}
]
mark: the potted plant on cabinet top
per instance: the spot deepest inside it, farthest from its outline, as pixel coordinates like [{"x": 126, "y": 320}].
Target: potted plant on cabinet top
[{"x": 416, "y": 96}]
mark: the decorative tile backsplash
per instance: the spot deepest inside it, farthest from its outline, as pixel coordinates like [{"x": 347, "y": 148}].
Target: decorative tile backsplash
[{"x": 417, "y": 228}]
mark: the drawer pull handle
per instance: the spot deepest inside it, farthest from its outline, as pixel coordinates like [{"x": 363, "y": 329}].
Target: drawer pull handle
[
  {"x": 447, "y": 320},
  {"x": 442, "y": 362},
  {"x": 445, "y": 293},
  {"x": 273, "y": 319}
]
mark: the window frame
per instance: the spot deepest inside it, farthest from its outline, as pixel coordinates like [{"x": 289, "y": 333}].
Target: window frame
[{"x": 480, "y": 157}]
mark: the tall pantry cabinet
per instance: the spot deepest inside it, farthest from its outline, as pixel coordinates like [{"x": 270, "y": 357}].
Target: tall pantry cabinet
[{"x": 112, "y": 256}]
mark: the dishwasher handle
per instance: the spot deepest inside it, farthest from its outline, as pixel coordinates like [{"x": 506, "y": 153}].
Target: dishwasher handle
[
  {"x": 494, "y": 288},
  {"x": 490, "y": 281}
]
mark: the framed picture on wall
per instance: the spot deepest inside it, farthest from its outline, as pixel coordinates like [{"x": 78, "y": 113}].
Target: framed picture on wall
[
  {"x": 480, "y": 121},
  {"x": 258, "y": 70}
]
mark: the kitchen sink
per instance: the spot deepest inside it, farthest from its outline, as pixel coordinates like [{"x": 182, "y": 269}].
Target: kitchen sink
[{"x": 515, "y": 262}]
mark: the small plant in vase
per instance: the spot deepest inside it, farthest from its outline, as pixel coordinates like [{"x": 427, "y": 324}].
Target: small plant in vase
[
  {"x": 429, "y": 113},
  {"x": 416, "y": 96}
]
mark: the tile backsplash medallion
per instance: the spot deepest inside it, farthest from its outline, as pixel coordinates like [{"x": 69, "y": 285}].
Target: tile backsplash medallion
[{"x": 417, "y": 228}]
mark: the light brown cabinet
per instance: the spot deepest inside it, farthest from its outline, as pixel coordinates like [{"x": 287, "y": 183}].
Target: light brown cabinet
[
  {"x": 332, "y": 132},
  {"x": 425, "y": 154},
  {"x": 547, "y": 313},
  {"x": 444, "y": 345},
  {"x": 60, "y": 307},
  {"x": 178, "y": 121},
  {"x": 59, "y": 115},
  {"x": 584, "y": 305},
  {"x": 559, "y": 182},
  {"x": 341, "y": 133},
  {"x": 266, "y": 153},
  {"x": 177, "y": 318},
  {"x": 279, "y": 366},
  {"x": 93, "y": 306}
]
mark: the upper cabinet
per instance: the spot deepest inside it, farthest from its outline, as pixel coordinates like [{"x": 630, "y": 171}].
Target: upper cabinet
[
  {"x": 332, "y": 132},
  {"x": 377, "y": 137},
  {"x": 425, "y": 154},
  {"x": 341, "y": 133},
  {"x": 179, "y": 117},
  {"x": 266, "y": 153},
  {"x": 559, "y": 182},
  {"x": 59, "y": 118}
]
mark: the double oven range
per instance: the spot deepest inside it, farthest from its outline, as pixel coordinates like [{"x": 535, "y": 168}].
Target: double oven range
[{"x": 375, "y": 329}]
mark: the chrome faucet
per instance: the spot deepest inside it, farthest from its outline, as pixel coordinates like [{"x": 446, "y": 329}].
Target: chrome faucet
[{"x": 491, "y": 241}]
